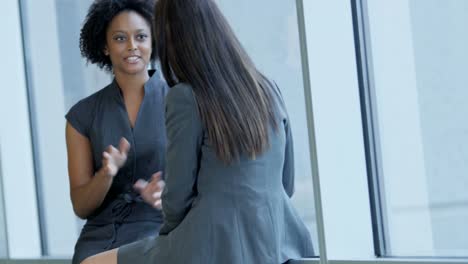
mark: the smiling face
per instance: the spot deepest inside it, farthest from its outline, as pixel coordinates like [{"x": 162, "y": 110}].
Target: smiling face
[{"x": 128, "y": 43}]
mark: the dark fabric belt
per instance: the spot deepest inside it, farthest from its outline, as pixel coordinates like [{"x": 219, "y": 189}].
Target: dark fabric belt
[{"x": 121, "y": 209}]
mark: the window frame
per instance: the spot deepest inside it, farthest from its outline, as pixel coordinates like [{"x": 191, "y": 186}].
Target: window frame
[
  {"x": 363, "y": 88},
  {"x": 17, "y": 171},
  {"x": 339, "y": 48}
]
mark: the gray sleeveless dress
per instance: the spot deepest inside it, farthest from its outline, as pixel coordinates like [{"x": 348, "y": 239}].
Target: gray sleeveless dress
[
  {"x": 216, "y": 213},
  {"x": 123, "y": 216}
]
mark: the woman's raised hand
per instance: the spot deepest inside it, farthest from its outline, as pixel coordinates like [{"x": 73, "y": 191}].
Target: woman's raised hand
[
  {"x": 151, "y": 191},
  {"x": 113, "y": 159}
]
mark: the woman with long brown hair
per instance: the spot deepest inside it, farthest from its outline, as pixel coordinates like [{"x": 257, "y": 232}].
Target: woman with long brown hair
[{"x": 229, "y": 159}]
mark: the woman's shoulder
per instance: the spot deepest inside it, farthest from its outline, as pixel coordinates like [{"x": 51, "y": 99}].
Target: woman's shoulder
[
  {"x": 91, "y": 100},
  {"x": 180, "y": 102},
  {"x": 182, "y": 87},
  {"x": 156, "y": 83},
  {"x": 82, "y": 113},
  {"x": 181, "y": 92},
  {"x": 277, "y": 99}
]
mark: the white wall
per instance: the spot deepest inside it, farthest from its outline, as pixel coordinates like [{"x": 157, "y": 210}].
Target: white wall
[
  {"x": 17, "y": 173},
  {"x": 338, "y": 131},
  {"x": 399, "y": 129},
  {"x": 440, "y": 37},
  {"x": 48, "y": 107}
]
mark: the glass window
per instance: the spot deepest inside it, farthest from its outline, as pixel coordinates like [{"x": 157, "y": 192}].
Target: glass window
[
  {"x": 272, "y": 40},
  {"x": 417, "y": 60},
  {"x": 57, "y": 77}
]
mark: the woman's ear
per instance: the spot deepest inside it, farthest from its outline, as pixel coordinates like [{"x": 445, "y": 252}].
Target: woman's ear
[{"x": 106, "y": 51}]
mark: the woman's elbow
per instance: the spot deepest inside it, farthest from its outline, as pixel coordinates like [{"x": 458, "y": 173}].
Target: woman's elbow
[
  {"x": 78, "y": 209},
  {"x": 289, "y": 189},
  {"x": 80, "y": 214}
]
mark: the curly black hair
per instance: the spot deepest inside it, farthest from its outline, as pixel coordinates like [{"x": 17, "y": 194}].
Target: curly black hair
[{"x": 100, "y": 14}]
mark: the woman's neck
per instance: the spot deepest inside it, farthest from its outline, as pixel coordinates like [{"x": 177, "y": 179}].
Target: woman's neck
[{"x": 132, "y": 85}]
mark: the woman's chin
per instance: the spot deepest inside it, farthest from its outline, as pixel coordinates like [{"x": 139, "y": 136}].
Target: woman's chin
[{"x": 134, "y": 69}]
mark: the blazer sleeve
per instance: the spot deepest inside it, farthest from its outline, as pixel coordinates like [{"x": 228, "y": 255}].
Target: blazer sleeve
[
  {"x": 288, "y": 166},
  {"x": 184, "y": 139}
]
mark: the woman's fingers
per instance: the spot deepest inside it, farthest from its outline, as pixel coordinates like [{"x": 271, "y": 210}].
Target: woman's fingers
[
  {"x": 156, "y": 176},
  {"x": 151, "y": 191},
  {"x": 124, "y": 146},
  {"x": 140, "y": 185},
  {"x": 106, "y": 155},
  {"x": 110, "y": 149},
  {"x": 158, "y": 204},
  {"x": 161, "y": 184},
  {"x": 158, "y": 183},
  {"x": 157, "y": 195},
  {"x": 107, "y": 168}
]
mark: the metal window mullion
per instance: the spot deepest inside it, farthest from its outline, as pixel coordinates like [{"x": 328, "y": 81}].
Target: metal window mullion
[
  {"x": 311, "y": 134},
  {"x": 33, "y": 125},
  {"x": 370, "y": 124}
]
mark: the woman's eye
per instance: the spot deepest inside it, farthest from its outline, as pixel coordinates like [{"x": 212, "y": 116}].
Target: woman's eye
[
  {"x": 142, "y": 36},
  {"x": 119, "y": 38}
]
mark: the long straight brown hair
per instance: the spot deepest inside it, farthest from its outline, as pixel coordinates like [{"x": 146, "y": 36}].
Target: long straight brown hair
[{"x": 195, "y": 44}]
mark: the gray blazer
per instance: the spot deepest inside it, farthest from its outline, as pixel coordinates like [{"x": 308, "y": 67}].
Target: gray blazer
[{"x": 218, "y": 213}]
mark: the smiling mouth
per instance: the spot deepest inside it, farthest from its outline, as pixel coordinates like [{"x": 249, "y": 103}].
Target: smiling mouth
[{"x": 132, "y": 59}]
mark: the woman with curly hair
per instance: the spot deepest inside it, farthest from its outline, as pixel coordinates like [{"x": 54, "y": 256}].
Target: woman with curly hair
[
  {"x": 116, "y": 137},
  {"x": 229, "y": 167}
]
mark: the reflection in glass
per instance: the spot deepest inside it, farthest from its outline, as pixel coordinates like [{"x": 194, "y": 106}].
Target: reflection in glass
[{"x": 419, "y": 70}]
